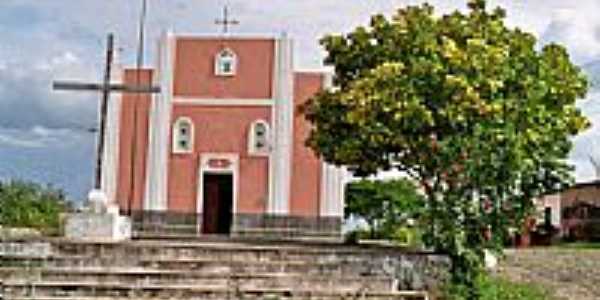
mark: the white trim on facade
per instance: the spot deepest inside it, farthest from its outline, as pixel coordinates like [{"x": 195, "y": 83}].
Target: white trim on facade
[
  {"x": 237, "y": 36},
  {"x": 271, "y": 161},
  {"x": 322, "y": 70},
  {"x": 205, "y": 168},
  {"x": 160, "y": 128},
  {"x": 177, "y": 136},
  {"x": 180, "y": 100},
  {"x": 327, "y": 78},
  {"x": 225, "y": 56},
  {"x": 283, "y": 127},
  {"x": 253, "y": 150}
]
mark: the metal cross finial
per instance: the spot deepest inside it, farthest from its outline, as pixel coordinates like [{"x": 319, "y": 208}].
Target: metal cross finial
[{"x": 226, "y": 21}]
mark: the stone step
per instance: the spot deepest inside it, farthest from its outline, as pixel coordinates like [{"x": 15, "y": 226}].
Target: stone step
[
  {"x": 323, "y": 266},
  {"x": 401, "y": 295},
  {"x": 210, "y": 266},
  {"x": 251, "y": 267},
  {"x": 172, "y": 277},
  {"x": 162, "y": 246},
  {"x": 133, "y": 260},
  {"x": 249, "y": 234},
  {"x": 129, "y": 253},
  {"x": 66, "y": 246},
  {"x": 315, "y": 266},
  {"x": 81, "y": 290}
]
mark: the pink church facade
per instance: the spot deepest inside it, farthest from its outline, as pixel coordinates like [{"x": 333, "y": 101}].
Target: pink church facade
[{"x": 221, "y": 149}]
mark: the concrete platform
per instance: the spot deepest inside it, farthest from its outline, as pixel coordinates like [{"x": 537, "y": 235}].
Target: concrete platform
[{"x": 109, "y": 227}]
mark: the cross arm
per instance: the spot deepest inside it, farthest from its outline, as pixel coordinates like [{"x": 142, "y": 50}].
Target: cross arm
[{"x": 113, "y": 87}]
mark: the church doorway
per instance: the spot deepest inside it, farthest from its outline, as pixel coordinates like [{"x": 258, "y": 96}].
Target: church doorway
[{"x": 217, "y": 207}]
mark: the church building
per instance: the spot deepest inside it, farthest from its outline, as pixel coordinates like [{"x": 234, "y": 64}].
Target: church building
[{"x": 221, "y": 149}]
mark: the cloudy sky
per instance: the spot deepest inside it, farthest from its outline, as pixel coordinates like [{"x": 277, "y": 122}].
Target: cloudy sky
[{"x": 44, "y": 135}]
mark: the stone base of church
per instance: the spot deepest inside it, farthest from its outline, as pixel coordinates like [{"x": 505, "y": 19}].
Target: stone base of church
[
  {"x": 148, "y": 223},
  {"x": 165, "y": 223},
  {"x": 285, "y": 226}
]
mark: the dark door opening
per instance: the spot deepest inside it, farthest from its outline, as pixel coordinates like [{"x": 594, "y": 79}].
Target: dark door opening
[
  {"x": 218, "y": 203},
  {"x": 547, "y": 216}
]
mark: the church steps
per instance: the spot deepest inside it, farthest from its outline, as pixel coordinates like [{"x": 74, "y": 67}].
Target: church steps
[
  {"x": 186, "y": 261},
  {"x": 250, "y": 267},
  {"x": 238, "y": 269},
  {"x": 222, "y": 250},
  {"x": 210, "y": 270},
  {"x": 230, "y": 244},
  {"x": 263, "y": 295},
  {"x": 248, "y": 283},
  {"x": 8, "y": 271},
  {"x": 243, "y": 234},
  {"x": 196, "y": 278},
  {"x": 132, "y": 291},
  {"x": 215, "y": 293},
  {"x": 330, "y": 267}
]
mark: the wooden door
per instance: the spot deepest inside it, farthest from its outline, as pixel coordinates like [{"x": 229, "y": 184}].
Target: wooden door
[{"x": 217, "y": 207}]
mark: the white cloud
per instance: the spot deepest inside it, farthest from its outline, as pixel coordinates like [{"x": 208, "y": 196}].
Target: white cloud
[
  {"x": 577, "y": 28},
  {"x": 41, "y": 137},
  {"x": 15, "y": 141},
  {"x": 27, "y": 98}
]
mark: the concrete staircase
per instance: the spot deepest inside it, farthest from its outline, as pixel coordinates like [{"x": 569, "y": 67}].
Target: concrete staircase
[{"x": 146, "y": 269}]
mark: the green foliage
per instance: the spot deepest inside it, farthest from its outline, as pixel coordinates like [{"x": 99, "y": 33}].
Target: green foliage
[
  {"x": 384, "y": 205},
  {"x": 492, "y": 288},
  {"x": 472, "y": 110},
  {"x": 26, "y": 204},
  {"x": 408, "y": 235}
]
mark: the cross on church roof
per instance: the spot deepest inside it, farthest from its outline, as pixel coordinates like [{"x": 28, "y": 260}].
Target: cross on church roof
[{"x": 225, "y": 21}]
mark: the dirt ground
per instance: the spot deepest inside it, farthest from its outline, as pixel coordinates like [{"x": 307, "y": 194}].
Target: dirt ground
[{"x": 567, "y": 273}]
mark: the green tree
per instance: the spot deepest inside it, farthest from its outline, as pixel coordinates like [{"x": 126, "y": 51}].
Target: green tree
[
  {"x": 27, "y": 204},
  {"x": 383, "y": 204},
  {"x": 469, "y": 108}
]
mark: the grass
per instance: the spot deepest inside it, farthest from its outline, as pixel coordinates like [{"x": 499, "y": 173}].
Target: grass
[
  {"x": 495, "y": 288},
  {"x": 502, "y": 289},
  {"x": 580, "y": 245}
]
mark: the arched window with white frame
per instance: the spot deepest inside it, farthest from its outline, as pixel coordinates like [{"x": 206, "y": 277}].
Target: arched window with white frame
[
  {"x": 183, "y": 135},
  {"x": 225, "y": 63},
  {"x": 259, "y": 138}
]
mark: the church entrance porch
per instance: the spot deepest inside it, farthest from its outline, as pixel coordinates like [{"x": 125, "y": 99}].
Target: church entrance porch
[{"x": 217, "y": 206}]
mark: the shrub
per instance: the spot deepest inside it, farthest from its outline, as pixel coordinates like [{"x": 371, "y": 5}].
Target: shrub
[
  {"x": 27, "y": 204},
  {"x": 385, "y": 205}
]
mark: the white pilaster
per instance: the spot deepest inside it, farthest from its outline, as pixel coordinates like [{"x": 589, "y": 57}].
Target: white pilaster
[
  {"x": 159, "y": 131},
  {"x": 333, "y": 179},
  {"x": 283, "y": 127},
  {"x": 110, "y": 157},
  {"x": 333, "y": 183}
]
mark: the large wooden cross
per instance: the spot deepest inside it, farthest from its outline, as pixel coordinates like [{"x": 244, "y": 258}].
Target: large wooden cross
[
  {"x": 226, "y": 22},
  {"x": 105, "y": 87}
]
